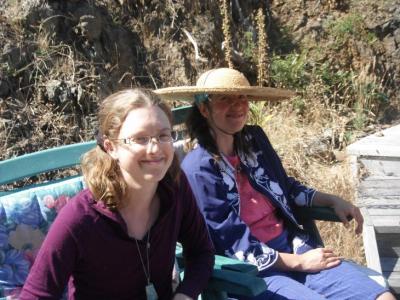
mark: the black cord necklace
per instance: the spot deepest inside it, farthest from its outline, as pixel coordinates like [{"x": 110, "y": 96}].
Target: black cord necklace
[{"x": 151, "y": 293}]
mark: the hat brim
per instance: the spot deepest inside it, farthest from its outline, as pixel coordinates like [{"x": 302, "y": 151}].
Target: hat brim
[{"x": 186, "y": 93}]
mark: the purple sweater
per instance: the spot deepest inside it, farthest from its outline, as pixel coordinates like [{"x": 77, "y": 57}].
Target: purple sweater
[{"x": 88, "y": 247}]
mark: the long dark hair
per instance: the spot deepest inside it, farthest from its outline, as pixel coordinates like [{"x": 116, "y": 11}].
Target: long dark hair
[{"x": 199, "y": 130}]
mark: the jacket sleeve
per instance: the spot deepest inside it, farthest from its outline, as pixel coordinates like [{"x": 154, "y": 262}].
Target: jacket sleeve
[
  {"x": 230, "y": 235},
  {"x": 53, "y": 265},
  {"x": 198, "y": 249},
  {"x": 297, "y": 193}
]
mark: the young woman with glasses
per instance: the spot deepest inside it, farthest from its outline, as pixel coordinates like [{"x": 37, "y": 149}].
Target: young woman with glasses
[{"x": 116, "y": 239}]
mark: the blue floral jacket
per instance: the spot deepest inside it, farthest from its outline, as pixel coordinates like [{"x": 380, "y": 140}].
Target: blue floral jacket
[{"x": 215, "y": 188}]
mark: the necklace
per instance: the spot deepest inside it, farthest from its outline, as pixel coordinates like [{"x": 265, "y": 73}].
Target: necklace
[{"x": 151, "y": 293}]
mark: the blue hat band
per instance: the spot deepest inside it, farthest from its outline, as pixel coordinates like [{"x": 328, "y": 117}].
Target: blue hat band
[{"x": 200, "y": 98}]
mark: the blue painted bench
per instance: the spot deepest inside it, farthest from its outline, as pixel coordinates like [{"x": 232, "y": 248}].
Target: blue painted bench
[{"x": 27, "y": 212}]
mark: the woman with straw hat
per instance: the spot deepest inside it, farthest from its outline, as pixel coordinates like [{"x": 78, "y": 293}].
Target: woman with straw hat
[{"x": 248, "y": 200}]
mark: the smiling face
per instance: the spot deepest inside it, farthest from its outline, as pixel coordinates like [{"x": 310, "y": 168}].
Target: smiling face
[
  {"x": 141, "y": 164},
  {"x": 226, "y": 114}
]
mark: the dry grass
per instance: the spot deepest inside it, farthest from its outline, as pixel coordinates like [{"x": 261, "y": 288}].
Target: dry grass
[
  {"x": 55, "y": 91},
  {"x": 291, "y": 135}
]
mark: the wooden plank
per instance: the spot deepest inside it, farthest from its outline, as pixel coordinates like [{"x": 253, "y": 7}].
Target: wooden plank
[
  {"x": 383, "y": 143},
  {"x": 353, "y": 162},
  {"x": 387, "y": 229},
  {"x": 394, "y": 280},
  {"x": 391, "y": 190},
  {"x": 387, "y": 200},
  {"x": 380, "y": 159},
  {"x": 386, "y": 221},
  {"x": 390, "y": 264},
  {"x": 374, "y": 150},
  {"x": 381, "y": 166},
  {"x": 378, "y": 194},
  {"x": 382, "y": 187},
  {"x": 384, "y": 182},
  {"x": 388, "y": 240},
  {"x": 370, "y": 245},
  {"x": 371, "y": 249},
  {"x": 380, "y": 179},
  {"x": 389, "y": 251},
  {"x": 384, "y": 210}
]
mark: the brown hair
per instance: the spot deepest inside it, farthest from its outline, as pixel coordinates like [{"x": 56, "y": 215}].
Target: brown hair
[{"x": 101, "y": 172}]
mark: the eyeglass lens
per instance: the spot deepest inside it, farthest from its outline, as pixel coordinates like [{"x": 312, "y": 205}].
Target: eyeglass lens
[{"x": 145, "y": 140}]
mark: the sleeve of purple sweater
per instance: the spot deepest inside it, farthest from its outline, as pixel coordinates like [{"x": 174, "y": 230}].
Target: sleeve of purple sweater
[
  {"x": 49, "y": 274},
  {"x": 198, "y": 250}
]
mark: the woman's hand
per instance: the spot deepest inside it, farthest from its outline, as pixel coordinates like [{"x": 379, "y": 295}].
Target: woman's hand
[
  {"x": 314, "y": 260},
  {"x": 318, "y": 259},
  {"x": 343, "y": 209},
  {"x": 180, "y": 296}
]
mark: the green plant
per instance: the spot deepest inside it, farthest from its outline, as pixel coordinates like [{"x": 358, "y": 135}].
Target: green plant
[
  {"x": 369, "y": 90},
  {"x": 331, "y": 77},
  {"x": 360, "y": 117},
  {"x": 369, "y": 98},
  {"x": 299, "y": 105},
  {"x": 258, "y": 114},
  {"x": 247, "y": 45},
  {"x": 7, "y": 69},
  {"x": 351, "y": 25},
  {"x": 337, "y": 84},
  {"x": 348, "y": 137},
  {"x": 289, "y": 71},
  {"x": 284, "y": 40}
]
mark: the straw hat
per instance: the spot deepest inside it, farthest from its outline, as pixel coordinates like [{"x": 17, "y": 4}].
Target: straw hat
[{"x": 222, "y": 81}]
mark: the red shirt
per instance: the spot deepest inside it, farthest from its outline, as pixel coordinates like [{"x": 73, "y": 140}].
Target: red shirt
[{"x": 256, "y": 210}]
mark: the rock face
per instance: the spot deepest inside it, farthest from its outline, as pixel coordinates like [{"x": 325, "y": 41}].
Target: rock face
[
  {"x": 384, "y": 21},
  {"x": 59, "y": 58}
]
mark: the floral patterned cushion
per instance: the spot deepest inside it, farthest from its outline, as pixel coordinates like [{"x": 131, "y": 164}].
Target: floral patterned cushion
[{"x": 25, "y": 218}]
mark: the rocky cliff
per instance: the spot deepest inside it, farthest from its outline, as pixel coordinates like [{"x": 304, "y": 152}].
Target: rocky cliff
[{"x": 59, "y": 58}]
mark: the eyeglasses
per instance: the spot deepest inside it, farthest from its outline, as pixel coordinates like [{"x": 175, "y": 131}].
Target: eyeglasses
[
  {"x": 227, "y": 100},
  {"x": 163, "y": 138}
]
